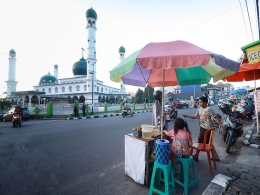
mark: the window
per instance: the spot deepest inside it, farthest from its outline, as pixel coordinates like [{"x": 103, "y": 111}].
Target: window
[
  {"x": 37, "y": 89},
  {"x": 85, "y": 87},
  {"x": 102, "y": 89},
  {"x": 56, "y": 89},
  {"x": 97, "y": 89},
  {"x": 78, "y": 88},
  {"x": 49, "y": 90},
  {"x": 43, "y": 90},
  {"x": 63, "y": 89},
  {"x": 70, "y": 89}
]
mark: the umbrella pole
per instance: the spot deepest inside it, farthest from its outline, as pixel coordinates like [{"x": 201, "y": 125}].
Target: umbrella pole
[
  {"x": 256, "y": 108},
  {"x": 162, "y": 116}
]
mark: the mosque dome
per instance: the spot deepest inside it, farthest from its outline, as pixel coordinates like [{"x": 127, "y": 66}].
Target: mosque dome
[
  {"x": 91, "y": 14},
  {"x": 121, "y": 49},
  {"x": 80, "y": 67},
  {"x": 56, "y": 67},
  {"x": 12, "y": 52},
  {"x": 48, "y": 79}
]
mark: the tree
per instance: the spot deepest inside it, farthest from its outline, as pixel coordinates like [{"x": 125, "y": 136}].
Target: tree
[
  {"x": 5, "y": 104},
  {"x": 148, "y": 94},
  {"x": 139, "y": 96}
]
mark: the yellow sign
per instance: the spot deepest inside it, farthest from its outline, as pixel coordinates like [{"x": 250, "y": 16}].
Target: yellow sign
[{"x": 253, "y": 54}]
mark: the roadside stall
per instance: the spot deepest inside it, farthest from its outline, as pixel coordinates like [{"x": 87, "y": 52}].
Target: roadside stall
[
  {"x": 159, "y": 65},
  {"x": 138, "y": 160},
  {"x": 249, "y": 71}
]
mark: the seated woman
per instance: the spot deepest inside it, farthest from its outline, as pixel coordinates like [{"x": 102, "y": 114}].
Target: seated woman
[
  {"x": 181, "y": 139},
  {"x": 248, "y": 111}
]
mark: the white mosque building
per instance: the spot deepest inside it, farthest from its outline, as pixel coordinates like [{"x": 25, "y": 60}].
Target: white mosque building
[{"x": 83, "y": 87}]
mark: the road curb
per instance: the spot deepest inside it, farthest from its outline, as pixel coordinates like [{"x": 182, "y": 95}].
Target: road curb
[
  {"x": 106, "y": 115},
  {"x": 218, "y": 185},
  {"x": 248, "y": 136}
]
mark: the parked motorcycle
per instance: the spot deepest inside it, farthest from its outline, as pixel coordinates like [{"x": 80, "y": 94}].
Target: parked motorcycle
[
  {"x": 127, "y": 112},
  {"x": 16, "y": 120},
  {"x": 232, "y": 122}
]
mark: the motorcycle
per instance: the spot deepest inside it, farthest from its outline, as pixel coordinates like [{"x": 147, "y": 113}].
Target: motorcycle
[
  {"x": 16, "y": 120},
  {"x": 233, "y": 124},
  {"x": 127, "y": 112}
]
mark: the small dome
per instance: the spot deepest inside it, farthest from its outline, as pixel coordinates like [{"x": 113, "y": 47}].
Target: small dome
[
  {"x": 12, "y": 52},
  {"x": 121, "y": 49},
  {"x": 80, "y": 67},
  {"x": 91, "y": 14},
  {"x": 48, "y": 79},
  {"x": 56, "y": 67}
]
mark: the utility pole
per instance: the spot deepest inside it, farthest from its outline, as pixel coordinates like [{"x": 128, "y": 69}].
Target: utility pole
[{"x": 257, "y": 12}]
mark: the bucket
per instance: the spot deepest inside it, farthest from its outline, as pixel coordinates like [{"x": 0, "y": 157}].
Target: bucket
[
  {"x": 162, "y": 151},
  {"x": 147, "y": 131}
]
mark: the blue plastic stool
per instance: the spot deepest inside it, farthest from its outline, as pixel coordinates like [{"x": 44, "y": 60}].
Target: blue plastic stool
[
  {"x": 185, "y": 173},
  {"x": 168, "y": 178}
]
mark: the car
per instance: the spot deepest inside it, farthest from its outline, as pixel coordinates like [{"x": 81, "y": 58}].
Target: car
[
  {"x": 9, "y": 114},
  {"x": 2, "y": 113},
  {"x": 180, "y": 104}
]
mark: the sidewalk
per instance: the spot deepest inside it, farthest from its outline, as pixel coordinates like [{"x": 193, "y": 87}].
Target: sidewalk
[
  {"x": 243, "y": 177},
  {"x": 108, "y": 115}
]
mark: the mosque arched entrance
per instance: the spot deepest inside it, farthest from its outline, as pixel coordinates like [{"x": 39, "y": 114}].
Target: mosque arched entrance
[
  {"x": 111, "y": 100},
  {"x": 75, "y": 98},
  {"x": 82, "y": 99}
]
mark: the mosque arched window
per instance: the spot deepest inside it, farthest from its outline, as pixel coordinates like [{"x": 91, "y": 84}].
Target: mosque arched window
[
  {"x": 63, "y": 89},
  {"x": 43, "y": 90},
  {"x": 70, "y": 89},
  {"x": 56, "y": 89},
  {"x": 37, "y": 89},
  {"x": 85, "y": 87},
  {"x": 78, "y": 88},
  {"x": 102, "y": 89},
  {"x": 49, "y": 90},
  {"x": 97, "y": 89}
]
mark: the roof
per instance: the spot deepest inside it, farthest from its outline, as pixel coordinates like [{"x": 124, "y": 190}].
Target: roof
[{"x": 250, "y": 45}]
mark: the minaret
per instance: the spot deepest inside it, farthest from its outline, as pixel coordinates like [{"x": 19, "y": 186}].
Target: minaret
[
  {"x": 91, "y": 17},
  {"x": 11, "y": 83},
  {"x": 122, "y": 57},
  {"x": 56, "y": 71}
]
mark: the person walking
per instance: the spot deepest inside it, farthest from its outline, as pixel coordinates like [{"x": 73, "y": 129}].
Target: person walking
[
  {"x": 83, "y": 109},
  {"x": 75, "y": 109},
  {"x": 205, "y": 115}
]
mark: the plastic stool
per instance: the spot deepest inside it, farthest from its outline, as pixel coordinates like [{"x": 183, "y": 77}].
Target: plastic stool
[
  {"x": 185, "y": 173},
  {"x": 168, "y": 178}
]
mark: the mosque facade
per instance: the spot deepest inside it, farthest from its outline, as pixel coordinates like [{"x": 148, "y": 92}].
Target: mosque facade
[{"x": 82, "y": 87}]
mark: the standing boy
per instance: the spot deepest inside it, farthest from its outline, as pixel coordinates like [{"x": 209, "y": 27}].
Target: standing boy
[{"x": 205, "y": 113}]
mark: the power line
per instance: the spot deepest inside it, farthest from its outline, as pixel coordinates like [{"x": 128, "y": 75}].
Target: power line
[
  {"x": 244, "y": 20},
  {"x": 213, "y": 17},
  {"x": 249, "y": 21}
]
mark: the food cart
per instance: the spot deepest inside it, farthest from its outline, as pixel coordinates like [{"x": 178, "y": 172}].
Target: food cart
[{"x": 138, "y": 164}]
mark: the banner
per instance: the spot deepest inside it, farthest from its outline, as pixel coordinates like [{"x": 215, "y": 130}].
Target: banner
[{"x": 253, "y": 54}]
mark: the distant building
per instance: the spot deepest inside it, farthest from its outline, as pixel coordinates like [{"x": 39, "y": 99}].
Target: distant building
[{"x": 82, "y": 87}]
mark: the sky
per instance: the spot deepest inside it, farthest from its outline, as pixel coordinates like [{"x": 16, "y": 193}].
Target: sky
[{"x": 48, "y": 32}]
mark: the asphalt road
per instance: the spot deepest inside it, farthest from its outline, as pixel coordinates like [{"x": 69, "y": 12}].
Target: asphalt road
[{"x": 84, "y": 156}]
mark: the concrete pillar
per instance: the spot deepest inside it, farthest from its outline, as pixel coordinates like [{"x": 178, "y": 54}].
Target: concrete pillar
[{"x": 30, "y": 101}]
